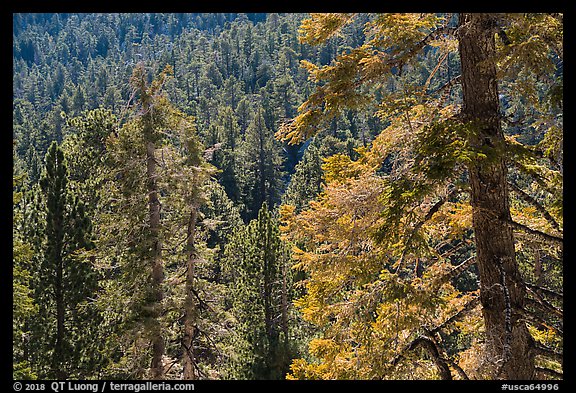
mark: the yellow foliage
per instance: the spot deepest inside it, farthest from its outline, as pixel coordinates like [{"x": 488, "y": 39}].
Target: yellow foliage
[
  {"x": 372, "y": 245},
  {"x": 321, "y": 26}
]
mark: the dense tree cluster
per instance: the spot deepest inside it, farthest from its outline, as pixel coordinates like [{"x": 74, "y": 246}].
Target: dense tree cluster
[{"x": 272, "y": 196}]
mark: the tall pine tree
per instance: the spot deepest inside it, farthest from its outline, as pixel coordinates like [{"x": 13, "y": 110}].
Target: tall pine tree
[
  {"x": 64, "y": 283},
  {"x": 261, "y": 294},
  {"x": 263, "y": 161}
]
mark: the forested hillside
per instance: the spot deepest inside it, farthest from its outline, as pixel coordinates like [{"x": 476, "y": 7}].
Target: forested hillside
[{"x": 287, "y": 196}]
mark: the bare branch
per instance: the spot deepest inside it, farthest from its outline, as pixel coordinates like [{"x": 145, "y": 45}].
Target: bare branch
[
  {"x": 427, "y": 83},
  {"x": 549, "y": 372},
  {"x": 539, "y": 321},
  {"x": 545, "y": 291},
  {"x": 535, "y": 232},
  {"x": 542, "y": 304},
  {"x": 543, "y": 350},
  {"x": 527, "y": 198}
]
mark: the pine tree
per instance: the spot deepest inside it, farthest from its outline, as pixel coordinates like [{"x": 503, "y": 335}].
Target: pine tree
[
  {"x": 225, "y": 155},
  {"x": 63, "y": 282},
  {"x": 139, "y": 245},
  {"x": 508, "y": 339},
  {"x": 261, "y": 286},
  {"x": 263, "y": 162},
  {"x": 307, "y": 181},
  {"x": 150, "y": 134},
  {"x": 86, "y": 151},
  {"x": 152, "y": 220}
]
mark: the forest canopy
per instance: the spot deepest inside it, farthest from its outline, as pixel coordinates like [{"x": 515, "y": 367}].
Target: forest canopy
[{"x": 288, "y": 196}]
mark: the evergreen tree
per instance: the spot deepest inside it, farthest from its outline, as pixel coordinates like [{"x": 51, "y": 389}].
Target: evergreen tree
[
  {"x": 63, "y": 282},
  {"x": 153, "y": 192},
  {"x": 258, "y": 263},
  {"x": 85, "y": 148},
  {"x": 263, "y": 166},
  {"x": 307, "y": 181},
  {"x": 139, "y": 255}
]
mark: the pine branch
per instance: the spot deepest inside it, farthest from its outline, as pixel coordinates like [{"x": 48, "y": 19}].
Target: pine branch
[
  {"x": 399, "y": 60},
  {"x": 430, "y": 345},
  {"x": 438, "y": 339},
  {"x": 471, "y": 305},
  {"x": 201, "y": 302},
  {"x": 458, "y": 369},
  {"x": 455, "y": 272},
  {"x": 444, "y": 30},
  {"x": 212, "y": 344},
  {"x": 452, "y": 82},
  {"x": 171, "y": 365},
  {"x": 453, "y": 249},
  {"x": 538, "y": 178},
  {"x": 527, "y": 198},
  {"x": 428, "y": 341},
  {"x": 543, "y": 307}
]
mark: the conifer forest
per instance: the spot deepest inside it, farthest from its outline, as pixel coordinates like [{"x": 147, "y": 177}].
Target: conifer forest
[{"x": 272, "y": 196}]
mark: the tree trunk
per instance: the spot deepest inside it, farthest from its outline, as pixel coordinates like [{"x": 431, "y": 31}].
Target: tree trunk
[
  {"x": 502, "y": 290},
  {"x": 157, "y": 369},
  {"x": 190, "y": 331}
]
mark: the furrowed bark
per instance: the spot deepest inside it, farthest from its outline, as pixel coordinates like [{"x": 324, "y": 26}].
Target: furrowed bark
[{"x": 509, "y": 345}]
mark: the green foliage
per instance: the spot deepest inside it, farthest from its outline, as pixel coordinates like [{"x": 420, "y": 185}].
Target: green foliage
[
  {"x": 307, "y": 181},
  {"x": 23, "y": 304},
  {"x": 263, "y": 172},
  {"x": 257, "y": 261},
  {"x": 63, "y": 282},
  {"x": 371, "y": 171}
]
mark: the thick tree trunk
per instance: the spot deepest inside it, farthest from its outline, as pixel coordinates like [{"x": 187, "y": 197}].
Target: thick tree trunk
[
  {"x": 157, "y": 369},
  {"x": 190, "y": 331},
  {"x": 502, "y": 290}
]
